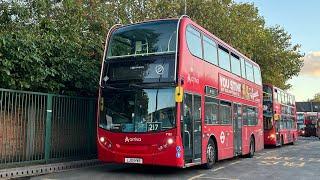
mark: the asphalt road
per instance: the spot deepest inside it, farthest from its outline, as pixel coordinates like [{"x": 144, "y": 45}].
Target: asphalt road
[{"x": 299, "y": 161}]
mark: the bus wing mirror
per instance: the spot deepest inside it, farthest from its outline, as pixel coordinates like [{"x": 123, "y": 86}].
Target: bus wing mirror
[{"x": 179, "y": 94}]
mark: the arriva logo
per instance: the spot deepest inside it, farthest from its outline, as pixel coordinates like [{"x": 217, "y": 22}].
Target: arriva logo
[{"x": 134, "y": 139}]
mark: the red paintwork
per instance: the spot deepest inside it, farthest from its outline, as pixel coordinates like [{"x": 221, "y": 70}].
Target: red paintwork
[
  {"x": 289, "y": 135},
  {"x": 196, "y": 74},
  {"x": 207, "y": 74},
  {"x": 148, "y": 148}
]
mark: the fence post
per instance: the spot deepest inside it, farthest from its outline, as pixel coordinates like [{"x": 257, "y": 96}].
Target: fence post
[
  {"x": 90, "y": 126},
  {"x": 48, "y": 128}
]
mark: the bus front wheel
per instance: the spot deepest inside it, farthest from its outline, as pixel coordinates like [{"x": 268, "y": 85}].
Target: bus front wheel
[{"x": 211, "y": 154}]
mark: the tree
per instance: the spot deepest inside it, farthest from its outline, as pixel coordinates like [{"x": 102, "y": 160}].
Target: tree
[
  {"x": 49, "y": 46},
  {"x": 56, "y": 46},
  {"x": 316, "y": 98}
]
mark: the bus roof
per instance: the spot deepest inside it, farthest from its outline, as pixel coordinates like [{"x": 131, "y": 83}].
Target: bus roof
[
  {"x": 221, "y": 42},
  {"x": 274, "y": 87}
]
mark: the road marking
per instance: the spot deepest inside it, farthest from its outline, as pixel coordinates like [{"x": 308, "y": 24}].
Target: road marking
[
  {"x": 218, "y": 178},
  {"x": 197, "y": 176},
  {"x": 217, "y": 169},
  {"x": 292, "y": 164},
  {"x": 237, "y": 162}
]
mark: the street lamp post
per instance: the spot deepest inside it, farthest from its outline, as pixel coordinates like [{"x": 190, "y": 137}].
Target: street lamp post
[{"x": 185, "y": 6}]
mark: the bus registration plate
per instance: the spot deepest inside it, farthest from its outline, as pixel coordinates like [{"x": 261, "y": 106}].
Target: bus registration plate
[{"x": 133, "y": 160}]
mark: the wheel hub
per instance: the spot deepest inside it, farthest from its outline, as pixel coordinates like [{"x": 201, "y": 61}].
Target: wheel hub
[{"x": 210, "y": 153}]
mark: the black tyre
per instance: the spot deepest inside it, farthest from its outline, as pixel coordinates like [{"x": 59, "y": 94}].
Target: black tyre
[
  {"x": 252, "y": 148},
  {"x": 281, "y": 141},
  {"x": 292, "y": 143},
  {"x": 211, "y": 155}
]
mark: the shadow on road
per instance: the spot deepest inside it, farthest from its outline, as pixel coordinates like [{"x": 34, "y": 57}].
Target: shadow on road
[{"x": 145, "y": 169}]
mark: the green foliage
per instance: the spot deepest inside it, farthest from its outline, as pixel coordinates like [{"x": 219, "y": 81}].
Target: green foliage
[
  {"x": 316, "y": 98},
  {"x": 50, "y": 47},
  {"x": 56, "y": 46}
]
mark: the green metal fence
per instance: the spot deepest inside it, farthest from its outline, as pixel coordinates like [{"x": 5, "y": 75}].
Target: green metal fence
[{"x": 44, "y": 128}]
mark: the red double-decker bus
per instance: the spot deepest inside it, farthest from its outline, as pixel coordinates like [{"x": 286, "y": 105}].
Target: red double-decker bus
[
  {"x": 310, "y": 123},
  {"x": 279, "y": 116},
  {"x": 173, "y": 94}
]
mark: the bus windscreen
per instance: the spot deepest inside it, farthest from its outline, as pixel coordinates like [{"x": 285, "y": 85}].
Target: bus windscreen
[
  {"x": 143, "y": 39},
  {"x": 139, "y": 110}
]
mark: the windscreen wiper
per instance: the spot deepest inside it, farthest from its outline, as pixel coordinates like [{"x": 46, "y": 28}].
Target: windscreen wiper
[
  {"x": 114, "y": 88},
  {"x": 152, "y": 85}
]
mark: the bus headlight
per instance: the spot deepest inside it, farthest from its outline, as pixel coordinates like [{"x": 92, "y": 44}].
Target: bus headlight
[
  {"x": 272, "y": 136},
  {"x": 170, "y": 141},
  {"x": 167, "y": 143},
  {"x": 105, "y": 142},
  {"x": 102, "y": 139}
]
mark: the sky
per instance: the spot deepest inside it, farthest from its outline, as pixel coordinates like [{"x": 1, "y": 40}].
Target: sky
[{"x": 300, "y": 19}]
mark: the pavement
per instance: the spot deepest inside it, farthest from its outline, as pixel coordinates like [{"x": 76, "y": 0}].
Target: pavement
[{"x": 293, "y": 162}]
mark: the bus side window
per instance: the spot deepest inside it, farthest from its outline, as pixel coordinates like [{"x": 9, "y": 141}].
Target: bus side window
[
  {"x": 211, "y": 110},
  {"x": 235, "y": 65},
  {"x": 225, "y": 112},
  {"x": 245, "y": 115},
  {"x": 193, "y": 38},
  {"x": 210, "y": 50},
  {"x": 275, "y": 95},
  {"x": 243, "y": 69},
  {"x": 224, "y": 58},
  {"x": 257, "y": 75},
  {"x": 249, "y": 71}
]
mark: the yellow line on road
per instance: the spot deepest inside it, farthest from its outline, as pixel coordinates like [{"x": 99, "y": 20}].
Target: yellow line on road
[
  {"x": 197, "y": 176},
  {"x": 237, "y": 162},
  {"x": 217, "y": 178},
  {"x": 217, "y": 169}
]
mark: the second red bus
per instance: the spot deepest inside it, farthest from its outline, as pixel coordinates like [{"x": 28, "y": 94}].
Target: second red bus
[{"x": 279, "y": 115}]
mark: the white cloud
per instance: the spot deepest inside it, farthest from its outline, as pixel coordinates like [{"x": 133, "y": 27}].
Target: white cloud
[{"x": 311, "y": 64}]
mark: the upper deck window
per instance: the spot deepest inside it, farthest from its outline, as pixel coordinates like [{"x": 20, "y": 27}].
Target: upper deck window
[
  {"x": 210, "y": 50},
  {"x": 257, "y": 75},
  {"x": 235, "y": 65},
  {"x": 249, "y": 71},
  {"x": 224, "y": 58},
  {"x": 243, "y": 69},
  {"x": 154, "y": 37},
  {"x": 194, "y": 41}
]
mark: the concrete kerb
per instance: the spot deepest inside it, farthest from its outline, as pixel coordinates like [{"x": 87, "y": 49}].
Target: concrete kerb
[{"x": 36, "y": 170}]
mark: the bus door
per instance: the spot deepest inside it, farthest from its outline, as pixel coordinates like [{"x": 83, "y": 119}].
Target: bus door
[
  {"x": 237, "y": 129},
  {"x": 191, "y": 128}
]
